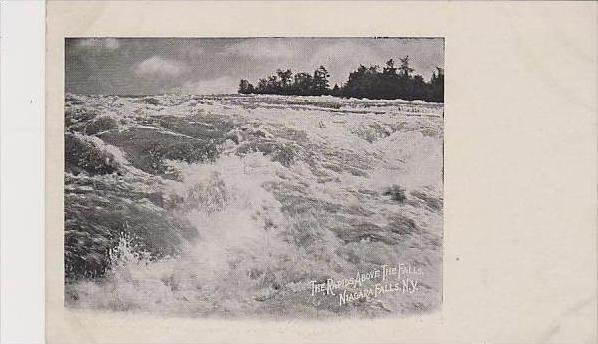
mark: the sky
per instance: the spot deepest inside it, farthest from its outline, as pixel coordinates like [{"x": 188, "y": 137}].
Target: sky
[{"x": 134, "y": 66}]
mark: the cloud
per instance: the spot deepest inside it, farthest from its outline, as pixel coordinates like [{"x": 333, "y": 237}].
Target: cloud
[
  {"x": 344, "y": 56},
  {"x": 195, "y": 52},
  {"x": 221, "y": 85},
  {"x": 157, "y": 67},
  {"x": 265, "y": 48},
  {"x": 340, "y": 56},
  {"x": 101, "y": 43}
]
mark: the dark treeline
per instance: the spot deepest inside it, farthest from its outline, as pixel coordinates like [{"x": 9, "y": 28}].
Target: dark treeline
[{"x": 372, "y": 82}]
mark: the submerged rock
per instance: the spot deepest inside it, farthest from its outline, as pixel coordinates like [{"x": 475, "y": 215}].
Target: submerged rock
[
  {"x": 396, "y": 193},
  {"x": 84, "y": 156},
  {"x": 101, "y": 124},
  {"x": 246, "y": 133}
]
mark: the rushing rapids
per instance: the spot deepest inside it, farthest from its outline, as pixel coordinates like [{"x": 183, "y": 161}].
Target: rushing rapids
[{"x": 236, "y": 206}]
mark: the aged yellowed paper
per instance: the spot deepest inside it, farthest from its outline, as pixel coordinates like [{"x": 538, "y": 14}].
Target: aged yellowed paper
[{"x": 296, "y": 172}]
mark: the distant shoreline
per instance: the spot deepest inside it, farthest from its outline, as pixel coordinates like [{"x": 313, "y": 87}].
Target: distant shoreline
[{"x": 416, "y": 101}]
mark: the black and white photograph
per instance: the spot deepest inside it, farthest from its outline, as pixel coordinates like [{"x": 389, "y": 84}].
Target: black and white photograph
[
  {"x": 272, "y": 178},
  {"x": 294, "y": 172}
]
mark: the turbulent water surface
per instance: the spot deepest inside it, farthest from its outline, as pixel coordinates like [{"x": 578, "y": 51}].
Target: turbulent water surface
[{"x": 230, "y": 206}]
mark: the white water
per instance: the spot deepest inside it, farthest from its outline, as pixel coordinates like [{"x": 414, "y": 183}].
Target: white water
[{"x": 266, "y": 228}]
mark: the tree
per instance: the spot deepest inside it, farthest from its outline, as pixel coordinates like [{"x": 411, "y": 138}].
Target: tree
[
  {"x": 404, "y": 70},
  {"x": 390, "y": 68},
  {"x": 418, "y": 88},
  {"x": 274, "y": 86},
  {"x": 336, "y": 91},
  {"x": 437, "y": 86},
  {"x": 373, "y": 82},
  {"x": 320, "y": 81},
  {"x": 303, "y": 84},
  {"x": 262, "y": 86},
  {"x": 285, "y": 79},
  {"x": 245, "y": 87},
  {"x": 363, "y": 83}
]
